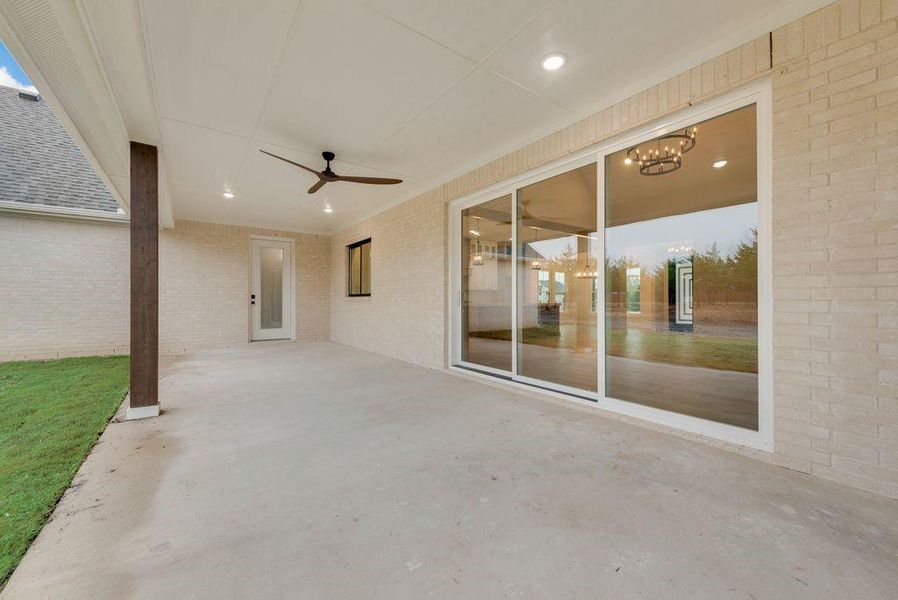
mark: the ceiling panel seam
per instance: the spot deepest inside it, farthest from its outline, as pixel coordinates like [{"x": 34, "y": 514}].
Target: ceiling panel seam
[{"x": 251, "y": 141}]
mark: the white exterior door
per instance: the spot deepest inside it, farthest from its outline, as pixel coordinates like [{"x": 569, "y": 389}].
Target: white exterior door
[{"x": 271, "y": 291}]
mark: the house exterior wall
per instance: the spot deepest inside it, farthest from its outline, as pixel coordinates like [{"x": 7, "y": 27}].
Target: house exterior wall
[
  {"x": 64, "y": 287},
  {"x": 835, "y": 211},
  {"x": 405, "y": 316},
  {"x": 834, "y": 75},
  {"x": 204, "y": 285}
]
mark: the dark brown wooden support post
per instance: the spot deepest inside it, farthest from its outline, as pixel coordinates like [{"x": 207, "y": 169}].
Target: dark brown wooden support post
[{"x": 144, "y": 282}]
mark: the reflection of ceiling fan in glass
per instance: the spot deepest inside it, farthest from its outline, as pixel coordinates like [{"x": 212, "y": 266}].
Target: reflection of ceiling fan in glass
[{"x": 523, "y": 216}]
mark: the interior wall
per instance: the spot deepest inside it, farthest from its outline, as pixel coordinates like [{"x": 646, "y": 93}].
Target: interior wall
[
  {"x": 204, "y": 285},
  {"x": 835, "y": 81}
]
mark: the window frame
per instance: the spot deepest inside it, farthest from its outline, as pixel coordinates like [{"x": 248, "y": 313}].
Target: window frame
[{"x": 349, "y": 248}]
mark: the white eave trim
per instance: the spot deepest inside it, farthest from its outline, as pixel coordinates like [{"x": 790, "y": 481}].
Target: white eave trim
[{"x": 62, "y": 212}]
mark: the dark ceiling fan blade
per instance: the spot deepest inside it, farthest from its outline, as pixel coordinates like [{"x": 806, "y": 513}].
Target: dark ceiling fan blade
[
  {"x": 295, "y": 164},
  {"x": 317, "y": 186},
  {"x": 374, "y": 180}
]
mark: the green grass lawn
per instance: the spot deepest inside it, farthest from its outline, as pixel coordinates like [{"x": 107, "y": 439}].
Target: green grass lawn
[
  {"x": 51, "y": 414},
  {"x": 724, "y": 353}
]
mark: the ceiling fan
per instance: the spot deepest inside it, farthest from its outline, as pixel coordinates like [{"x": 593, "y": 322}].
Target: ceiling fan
[{"x": 328, "y": 176}]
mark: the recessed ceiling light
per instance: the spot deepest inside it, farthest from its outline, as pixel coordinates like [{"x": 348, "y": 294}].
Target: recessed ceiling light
[
  {"x": 719, "y": 164},
  {"x": 473, "y": 232},
  {"x": 328, "y": 209},
  {"x": 228, "y": 194},
  {"x": 553, "y": 62}
]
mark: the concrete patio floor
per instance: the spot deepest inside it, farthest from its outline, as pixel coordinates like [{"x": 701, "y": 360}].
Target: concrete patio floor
[{"x": 319, "y": 471}]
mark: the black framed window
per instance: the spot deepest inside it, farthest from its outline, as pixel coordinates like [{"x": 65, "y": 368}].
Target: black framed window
[{"x": 358, "y": 267}]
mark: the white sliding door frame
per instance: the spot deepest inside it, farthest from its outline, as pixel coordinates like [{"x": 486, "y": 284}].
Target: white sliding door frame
[
  {"x": 505, "y": 188},
  {"x": 757, "y": 93}
]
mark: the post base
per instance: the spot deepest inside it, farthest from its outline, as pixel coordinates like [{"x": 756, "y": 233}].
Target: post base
[{"x": 141, "y": 412}]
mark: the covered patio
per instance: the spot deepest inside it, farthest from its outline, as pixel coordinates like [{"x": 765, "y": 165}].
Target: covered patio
[
  {"x": 599, "y": 299},
  {"x": 320, "y": 470}
]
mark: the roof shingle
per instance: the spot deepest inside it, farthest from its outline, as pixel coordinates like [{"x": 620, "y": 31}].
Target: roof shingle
[{"x": 40, "y": 162}]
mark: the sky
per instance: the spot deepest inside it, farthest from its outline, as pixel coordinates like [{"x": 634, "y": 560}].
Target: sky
[
  {"x": 11, "y": 74},
  {"x": 650, "y": 242}
]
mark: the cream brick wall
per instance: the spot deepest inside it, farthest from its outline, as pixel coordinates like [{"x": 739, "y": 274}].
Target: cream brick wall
[
  {"x": 204, "y": 285},
  {"x": 405, "y": 316},
  {"x": 63, "y": 288},
  {"x": 835, "y": 210},
  {"x": 835, "y": 132}
]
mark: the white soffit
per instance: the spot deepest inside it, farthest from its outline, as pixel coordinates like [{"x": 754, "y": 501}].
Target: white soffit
[
  {"x": 50, "y": 42},
  {"x": 418, "y": 89}
]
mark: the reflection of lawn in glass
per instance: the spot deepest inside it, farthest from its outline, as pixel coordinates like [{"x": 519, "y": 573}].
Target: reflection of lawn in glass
[{"x": 688, "y": 349}]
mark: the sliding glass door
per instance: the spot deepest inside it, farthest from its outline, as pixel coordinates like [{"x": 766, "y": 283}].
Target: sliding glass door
[
  {"x": 486, "y": 318},
  {"x": 556, "y": 276},
  {"x": 681, "y": 272},
  {"x": 634, "y": 276}
]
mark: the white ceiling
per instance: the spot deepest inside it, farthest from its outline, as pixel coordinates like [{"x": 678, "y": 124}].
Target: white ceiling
[{"x": 418, "y": 89}]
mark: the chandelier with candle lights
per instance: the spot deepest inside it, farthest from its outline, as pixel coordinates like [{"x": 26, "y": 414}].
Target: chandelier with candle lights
[{"x": 664, "y": 154}]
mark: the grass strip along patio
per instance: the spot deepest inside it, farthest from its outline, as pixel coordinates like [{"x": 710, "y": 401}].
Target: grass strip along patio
[{"x": 51, "y": 414}]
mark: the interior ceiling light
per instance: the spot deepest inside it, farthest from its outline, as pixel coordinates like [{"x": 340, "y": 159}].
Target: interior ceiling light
[
  {"x": 719, "y": 164},
  {"x": 553, "y": 62},
  {"x": 228, "y": 194},
  {"x": 664, "y": 154},
  {"x": 328, "y": 209},
  {"x": 535, "y": 264},
  {"x": 588, "y": 272},
  {"x": 477, "y": 259}
]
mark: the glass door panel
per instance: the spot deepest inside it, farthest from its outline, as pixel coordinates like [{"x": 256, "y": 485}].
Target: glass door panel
[
  {"x": 681, "y": 269},
  {"x": 272, "y": 268},
  {"x": 271, "y": 289},
  {"x": 486, "y": 284},
  {"x": 556, "y": 323}
]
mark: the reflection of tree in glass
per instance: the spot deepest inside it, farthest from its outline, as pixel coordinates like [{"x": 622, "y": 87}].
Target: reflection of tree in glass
[
  {"x": 727, "y": 277},
  {"x": 720, "y": 277},
  {"x": 566, "y": 262}
]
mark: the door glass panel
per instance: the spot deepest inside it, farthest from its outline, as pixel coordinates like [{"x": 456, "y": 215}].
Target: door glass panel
[
  {"x": 557, "y": 279},
  {"x": 272, "y": 272},
  {"x": 681, "y": 270},
  {"x": 486, "y": 284}
]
